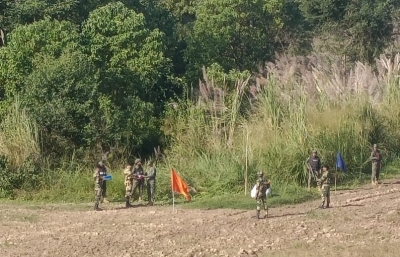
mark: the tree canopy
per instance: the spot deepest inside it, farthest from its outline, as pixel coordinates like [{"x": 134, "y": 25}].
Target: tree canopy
[{"x": 99, "y": 74}]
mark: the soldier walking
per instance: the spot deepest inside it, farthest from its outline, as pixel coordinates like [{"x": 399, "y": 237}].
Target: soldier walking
[
  {"x": 262, "y": 185},
  {"x": 138, "y": 178},
  {"x": 324, "y": 185},
  {"x": 151, "y": 182},
  {"x": 376, "y": 159}
]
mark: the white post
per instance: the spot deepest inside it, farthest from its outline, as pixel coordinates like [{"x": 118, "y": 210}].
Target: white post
[{"x": 173, "y": 201}]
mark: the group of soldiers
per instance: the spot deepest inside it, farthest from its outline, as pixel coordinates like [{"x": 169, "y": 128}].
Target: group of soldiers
[
  {"x": 321, "y": 174},
  {"x": 135, "y": 178}
]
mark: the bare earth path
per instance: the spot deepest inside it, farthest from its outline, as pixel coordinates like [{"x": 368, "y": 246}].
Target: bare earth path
[{"x": 362, "y": 222}]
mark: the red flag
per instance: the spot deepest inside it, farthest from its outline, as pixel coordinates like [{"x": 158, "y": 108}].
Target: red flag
[{"x": 178, "y": 185}]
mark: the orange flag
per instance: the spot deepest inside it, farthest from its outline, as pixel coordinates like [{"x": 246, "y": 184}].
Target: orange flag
[{"x": 178, "y": 185}]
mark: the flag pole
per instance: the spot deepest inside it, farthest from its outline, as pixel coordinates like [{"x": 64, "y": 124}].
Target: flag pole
[
  {"x": 173, "y": 194},
  {"x": 245, "y": 175},
  {"x": 335, "y": 177},
  {"x": 173, "y": 201}
]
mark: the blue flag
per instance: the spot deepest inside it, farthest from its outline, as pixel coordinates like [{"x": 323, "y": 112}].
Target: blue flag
[{"x": 340, "y": 162}]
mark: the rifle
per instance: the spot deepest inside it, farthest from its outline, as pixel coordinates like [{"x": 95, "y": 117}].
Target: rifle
[{"x": 313, "y": 175}]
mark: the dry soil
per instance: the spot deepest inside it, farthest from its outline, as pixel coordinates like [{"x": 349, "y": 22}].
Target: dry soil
[{"x": 361, "y": 222}]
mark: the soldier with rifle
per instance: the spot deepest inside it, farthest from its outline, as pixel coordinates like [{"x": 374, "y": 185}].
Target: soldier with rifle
[
  {"x": 313, "y": 164},
  {"x": 138, "y": 178}
]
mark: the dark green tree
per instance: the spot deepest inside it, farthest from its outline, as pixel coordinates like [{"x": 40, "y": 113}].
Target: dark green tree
[{"x": 357, "y": 29}]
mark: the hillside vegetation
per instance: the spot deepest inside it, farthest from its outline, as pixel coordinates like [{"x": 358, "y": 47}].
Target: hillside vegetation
[{"x": 216, "y": 89}]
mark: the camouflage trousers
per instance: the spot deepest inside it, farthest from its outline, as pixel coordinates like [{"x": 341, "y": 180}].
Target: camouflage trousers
[
  {"x": 138, "y": 184},
  {"x": 128, "y": 188},
  {"x": 151, "y": 190},
  {"x": 104, "y": 189},
  {"x": 262, "y": 200},
  {"x": 376, "y": 169},
  {"x": 326, "y": 194},
  {"x": 98, "y": 192}
]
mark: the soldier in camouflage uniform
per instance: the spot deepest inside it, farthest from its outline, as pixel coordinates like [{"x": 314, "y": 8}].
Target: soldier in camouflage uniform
[
  {"x": 325, "y": 188},
  {"x": 128, "y": 185},
  {"x": 151, "y": 182},
  {"x": 376, "y": 159},
  {"x": 262, "y": 185},
  {"x": 314, "y": 166},
  {"x": 138, "y": 178},
  {"x": 99, "y": 174}
]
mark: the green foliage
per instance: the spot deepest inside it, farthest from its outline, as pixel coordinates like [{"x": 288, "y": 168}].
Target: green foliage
[
  {"x": 359, "y": 29},
  {"x": 28, "y": 43},
  {"x": 94, "y": 76},
  {"x": 19, "y": 150},
  {"x": 280, "y": 196},
  {"x": 235, "y": 34}
]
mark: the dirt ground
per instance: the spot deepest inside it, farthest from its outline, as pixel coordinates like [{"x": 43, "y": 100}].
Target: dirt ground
[{"x": 361, "y": 222}]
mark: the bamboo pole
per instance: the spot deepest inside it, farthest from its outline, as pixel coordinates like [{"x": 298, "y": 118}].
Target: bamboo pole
[
  {"x": 246, "y": 168},
  {"x": 335, "y": 178}
]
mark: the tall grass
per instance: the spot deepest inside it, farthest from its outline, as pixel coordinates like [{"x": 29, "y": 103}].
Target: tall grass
[
  {"x": 299, "y": 104},
  {"x": 18, "y": 136},
  {"x": 268, "y": 122}
]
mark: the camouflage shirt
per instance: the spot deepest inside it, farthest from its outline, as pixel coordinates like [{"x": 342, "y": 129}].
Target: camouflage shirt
[
  {"x": 99, "y": 174},
  {"x": 325, "y": 178},
  {"x": 151, "y": 173},
  {"x": 314, "y": 163},
  {"x": 376, "y": 156},
  {"x": 137, "y": 171},
  {"x": 127, "y": 173},
  {"x": 262, "y": 186}
]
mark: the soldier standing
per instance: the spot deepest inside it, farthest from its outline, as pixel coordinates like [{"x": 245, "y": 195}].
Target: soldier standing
[
  {"x": 99, "y": 183},
  {"x": 376, "y": 159},
  {"x": 262, "y": 185},
  {"x": 314, "y": 166},
  {"x": 324, "y": 185},
  {"x": 128, "y": 185},
  {"x": 151, "y": 182},
  {"x": 138, "y": 178}
]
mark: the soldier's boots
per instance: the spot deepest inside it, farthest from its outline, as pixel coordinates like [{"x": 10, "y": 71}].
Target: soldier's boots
[
  {"x": 150, "y": 203},
  {"x": 322, "y": 206},
  {"x": 258, "y": 214},
  {"x": 127, "y": 203},
  {"x": 327, "y": 203},
  {"x": 96, "y": 206}
]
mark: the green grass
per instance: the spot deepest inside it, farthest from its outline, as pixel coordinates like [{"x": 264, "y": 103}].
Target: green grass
[{"x": 280, "y": 196}]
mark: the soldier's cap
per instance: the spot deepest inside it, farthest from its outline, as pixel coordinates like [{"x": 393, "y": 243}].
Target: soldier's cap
[
  {"x": 151, "y": 162},
  {"x": 375, "y": 145},
  {"x": 314, "y": 151},
  {"x": 101, "y": 164},
  {"x": 325, "y": 166},
  {"x": 137, "y": 161}
]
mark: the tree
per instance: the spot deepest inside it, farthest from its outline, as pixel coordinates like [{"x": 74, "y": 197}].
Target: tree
[
  {"x": 359, "y": 29},
  {"x": 134, "y": 72},
  {"x": 236, "y": 34}
]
